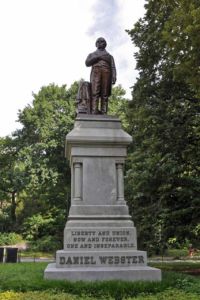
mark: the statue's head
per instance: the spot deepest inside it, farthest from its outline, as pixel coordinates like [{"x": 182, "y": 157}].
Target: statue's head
[{"x": 101, "y": 43}]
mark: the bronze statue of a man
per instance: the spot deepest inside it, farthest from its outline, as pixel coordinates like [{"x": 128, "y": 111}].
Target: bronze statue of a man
[{"x": 103, "y": 75}]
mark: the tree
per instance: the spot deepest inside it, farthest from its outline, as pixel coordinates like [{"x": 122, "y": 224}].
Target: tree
[
  {"x": 13, "y": 177},
  {"x": 181, "y": 34},
  {"x": 164, "y": 174},
  {"x": 45, "y": 125},
  {"x": 35, "y": 157},
  {"x": 118, "y": 105}
]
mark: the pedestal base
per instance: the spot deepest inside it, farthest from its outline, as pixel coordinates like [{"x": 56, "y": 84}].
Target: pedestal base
[
  {"x": 101, "y": 250},
  {"x": 101, "y": 273},
  {"x": 100, "y": 240}
]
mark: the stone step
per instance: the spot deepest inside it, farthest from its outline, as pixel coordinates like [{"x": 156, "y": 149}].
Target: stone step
[{"x": 101, "y": 273}]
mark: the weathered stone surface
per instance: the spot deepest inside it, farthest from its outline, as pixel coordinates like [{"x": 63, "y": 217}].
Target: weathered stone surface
[
  {"x": 101, "y": 273},
  {"x": 95, "y": 133},
  {"x": 102, "y": 258},
  {"x": 100, "y": 240}
]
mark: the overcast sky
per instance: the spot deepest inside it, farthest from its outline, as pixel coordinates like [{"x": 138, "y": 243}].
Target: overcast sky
[{"x": 47, "y": 41}]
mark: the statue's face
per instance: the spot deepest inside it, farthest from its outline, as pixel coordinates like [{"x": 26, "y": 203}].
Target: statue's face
[{"x": 101, "y": 43}]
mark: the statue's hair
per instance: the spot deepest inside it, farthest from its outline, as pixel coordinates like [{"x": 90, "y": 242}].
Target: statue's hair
[{"x": 100, "y": 38}]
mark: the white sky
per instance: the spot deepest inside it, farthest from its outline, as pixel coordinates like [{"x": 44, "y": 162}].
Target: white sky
[{"x": 46, "y": 41}]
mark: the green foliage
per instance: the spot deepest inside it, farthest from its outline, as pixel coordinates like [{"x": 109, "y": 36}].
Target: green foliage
[
  {"x": 42, "y": 231},
  {"x": 12, "y": 169},
  {"x": 35, "y": 185},
  {"x": 179, "y": 266},
  {"x": 45, "y": 244},
  {"x": 27, "y": 277},
  {"x": 34, "y": 166},
  {"x": 28, "y": 253},
  {"x": 181, "y": 33},
  {"x": 11, "y": 238},
  {"x": 196, "y": 230},
  {"x": 5, "y": 220},
  {"x": 173, "y": 243},
  {"x": 45, "y": 125},
  {"x": 163, "y": 174},
  {"x": 170, "y": 294},
  {"x": 53, "y": 295},
  {"x": 118, "y": 105},
  {"x": 13, "y": 180},
  {"x": 177, "y": 253},
  {"x": 36, "y": 226}
]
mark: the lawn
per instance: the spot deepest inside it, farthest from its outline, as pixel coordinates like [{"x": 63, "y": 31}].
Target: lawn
[
  {"x": 180, "y": 266},
  {"x": 25, "y": 281}
]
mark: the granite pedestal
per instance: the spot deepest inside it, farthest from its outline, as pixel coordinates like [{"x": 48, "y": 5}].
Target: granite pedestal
[{"x": 100, "y": 241}]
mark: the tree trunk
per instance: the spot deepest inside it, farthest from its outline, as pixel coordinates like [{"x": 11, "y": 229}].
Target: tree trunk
[{"x": 13, "y": 207}]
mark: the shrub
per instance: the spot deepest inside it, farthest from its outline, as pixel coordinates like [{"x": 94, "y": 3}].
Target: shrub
[
  {"x": 11, "y": 238},
  {"x": 10, "y": 295},
  {"x": 28, "y": 277},
  {"x": 177, "y": 252},
  {"x": 36, "y": 226},
  {"x": 171, "y": 294},
  {"x": 45, "y": 244}
]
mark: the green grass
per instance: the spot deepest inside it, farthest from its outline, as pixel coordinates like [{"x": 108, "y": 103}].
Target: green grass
[
  {"x": 171, "y": 294},
  {"x": 176, "y": 266},
  {"x": 36, "y": 254},
  {"x": 177, "y": 252},
  {"x": 28, "y": 277},
  {"x": 11, "y": 295}
]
